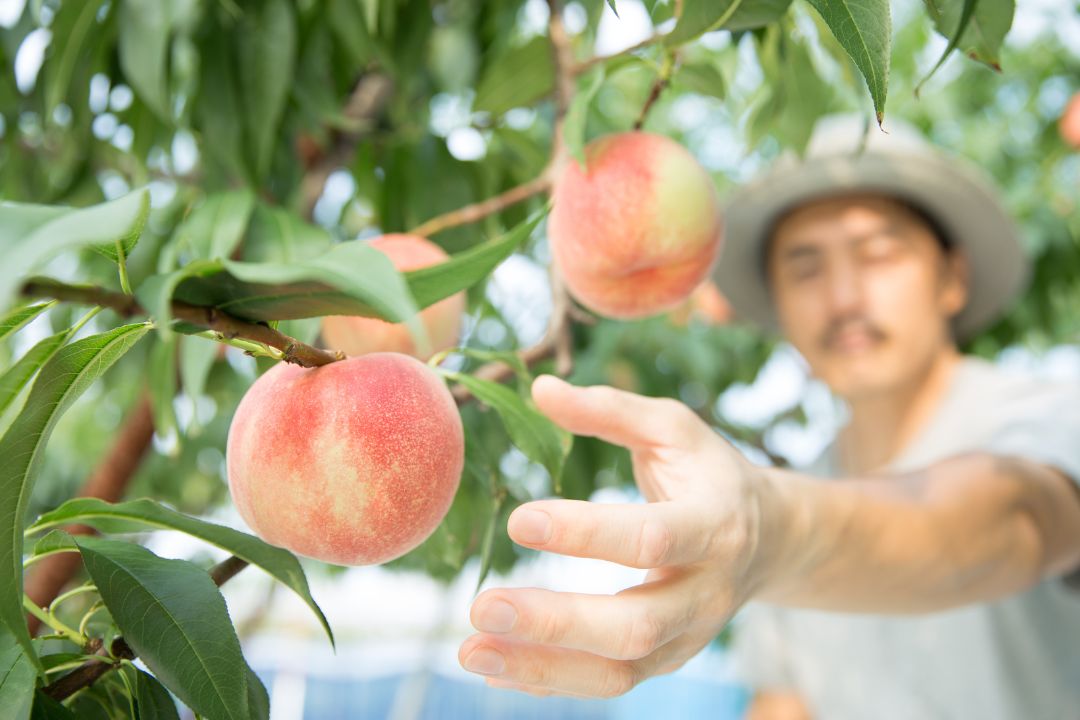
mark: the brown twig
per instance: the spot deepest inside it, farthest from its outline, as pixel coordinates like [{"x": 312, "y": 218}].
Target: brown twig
[
  {"x": 592, "y": 62},
  {"x": 480, "y": 210},
  {"x": 89, "y": 672},
  {"x": 367, "y": 100},
  {"x": 292, "y": 349}
]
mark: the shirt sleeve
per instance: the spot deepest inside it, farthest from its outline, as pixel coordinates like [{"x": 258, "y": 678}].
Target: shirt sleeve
[{"x": 760, "y": 651}]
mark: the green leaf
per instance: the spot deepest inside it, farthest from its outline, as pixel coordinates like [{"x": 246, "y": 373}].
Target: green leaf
[
  {"x": 45, "y": 708},
  {"x": 611, "y": 4},
  {"x": 463, "y": 270},
  {"x": 982, "y": 35},
  {"x": 518, "y": 78},
  {"x": 17, "y": 678},
  {"x": 19, "y": 374},
  {"x": 488, "y": 542},
  {"x": 161, "y": 377},
  {"x": 965, "y": 18},
  {"x": 19, "y": 317},
  {"x": 216, "y": 226},
  {"x": 703, "y": 78},
  {"x": 752, "y": 14},
  {"x": 55, "y": 541},
  {"x": 63, "y": 379},
  {"x": 266, "y": 51},
  {"x": 73, "y": 26},
  {"x": 274, "y": 291},
  {"x": 277, "y": 235},
  {"x": 100, "y": 226},
  {"x": 540, "y": 439},
  {"x": 174, "y": 617},
  {"x": 279, "y": 563},
  {"x": 577, "y": 113},
  {"x": 197, "y": 357},
  {"x": 145, "y": 28},
  {"x": 153, "y": 701},
  {"x": 864, "y": 29},
  {"x": 699, "y": 17}
]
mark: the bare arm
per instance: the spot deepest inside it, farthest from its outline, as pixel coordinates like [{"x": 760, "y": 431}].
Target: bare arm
[
  {"x": 972, "y": 528},
  {"x": 718, "y": 532}
]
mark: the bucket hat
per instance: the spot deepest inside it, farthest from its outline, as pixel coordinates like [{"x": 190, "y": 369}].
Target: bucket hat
[{"x": 848, "y": 155}]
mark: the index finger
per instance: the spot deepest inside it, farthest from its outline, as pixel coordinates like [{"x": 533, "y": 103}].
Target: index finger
[
  {"x": 645, "y": 536},
  {"x": 616, "y": 416}
]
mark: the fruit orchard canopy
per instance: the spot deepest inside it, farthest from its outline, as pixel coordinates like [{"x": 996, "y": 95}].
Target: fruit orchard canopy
[{"x": 847, "y": 154}]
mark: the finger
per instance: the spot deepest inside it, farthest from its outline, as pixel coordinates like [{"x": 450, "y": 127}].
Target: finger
[
  {"x": 530, "y": 689},
  {"x": 627, "y": 626},
  {"x": 642, "y": 535},
  {"x": 547, "y": 668},
  {"x": 616, "y": 416},
  {"x": 542, "y": 669}
]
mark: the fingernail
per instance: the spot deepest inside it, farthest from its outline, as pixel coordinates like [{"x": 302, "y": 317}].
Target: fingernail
[
  {"x": 531, "y": 526},
  {"x": 497, "y": 617},
  {"x": 485, "y": 661}
]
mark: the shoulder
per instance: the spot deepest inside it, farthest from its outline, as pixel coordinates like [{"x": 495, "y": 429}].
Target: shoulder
[{"x": 1031, "y": 417}]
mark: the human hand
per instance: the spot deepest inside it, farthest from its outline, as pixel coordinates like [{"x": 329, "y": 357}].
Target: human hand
[{"x": 696, "y": 537}]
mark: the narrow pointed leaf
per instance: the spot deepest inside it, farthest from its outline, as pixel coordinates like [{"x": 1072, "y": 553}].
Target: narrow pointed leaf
[
  {"x": 17, "y": 678},
  {"x": 153, "y": 701},
  {"x": 146, "y": 514},
  {"x": 864, "y": 29},
  {"x": 16, "y": 377},
  {"x": 18, "y": 318},
  {"x": 59, "y": 383},
  {"x": 174, "y": 618}
]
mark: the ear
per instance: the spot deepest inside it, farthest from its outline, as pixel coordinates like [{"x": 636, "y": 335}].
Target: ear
[{"x": 955, "y": 277}]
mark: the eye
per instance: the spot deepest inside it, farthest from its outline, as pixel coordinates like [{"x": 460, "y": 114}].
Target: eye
[
  {"x": 804, "y": 268},
  {"x": 880, "y": 247}
]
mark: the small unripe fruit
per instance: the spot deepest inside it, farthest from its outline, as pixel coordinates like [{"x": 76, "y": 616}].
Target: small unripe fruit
[
  {"x": 1069, "y": 125},
  {"x": 636, "y": 231},
  {"x": 707, "y": 305},
  {"x": 354, "y": 463},
  {"x": 361, "y": 335}
]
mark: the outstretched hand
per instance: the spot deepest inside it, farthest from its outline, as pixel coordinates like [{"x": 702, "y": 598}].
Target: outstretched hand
[{"x": 695, "y": 536}]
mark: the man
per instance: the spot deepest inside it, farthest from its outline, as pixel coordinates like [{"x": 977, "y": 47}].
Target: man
[{"x": 930, "y": 581}]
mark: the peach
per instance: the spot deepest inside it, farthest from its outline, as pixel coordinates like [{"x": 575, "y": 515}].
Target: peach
[
  {"x": 707, "y": 305},
  {"x": 353, "y": 463},
  {"x": 362, "y": 335},
  {"x": 638, "y": 229},
  {"x": 1069, "y": 125}
]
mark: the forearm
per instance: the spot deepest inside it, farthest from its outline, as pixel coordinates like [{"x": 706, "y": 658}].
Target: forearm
[{"x": 973, "y": 528}]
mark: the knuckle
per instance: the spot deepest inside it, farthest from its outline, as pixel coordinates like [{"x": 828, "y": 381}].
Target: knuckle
[
  {"x": 550, "y": 628},
  {"x": 619, "y": 679},
  {"x": 642, "y": 637},
  {"x": 655, "y": 543}
]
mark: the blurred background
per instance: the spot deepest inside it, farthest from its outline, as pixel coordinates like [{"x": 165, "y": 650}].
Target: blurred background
[{"x": 195, "y": 96}]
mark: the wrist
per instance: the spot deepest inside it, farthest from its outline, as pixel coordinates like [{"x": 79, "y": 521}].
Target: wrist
[{"x": 781, "y": 545}]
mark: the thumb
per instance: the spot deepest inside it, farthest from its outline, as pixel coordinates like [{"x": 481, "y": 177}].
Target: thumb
[{"x": 615, "y": 416}]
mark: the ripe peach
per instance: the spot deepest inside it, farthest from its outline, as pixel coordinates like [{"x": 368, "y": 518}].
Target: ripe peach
[
  {"x": 707, "y": 305},
  {"x": 1069, "y": 125},
  {"x": 361, "y": 335},
  {"x": 354, "y": 463},
  {"x": 636, "y": 231}
]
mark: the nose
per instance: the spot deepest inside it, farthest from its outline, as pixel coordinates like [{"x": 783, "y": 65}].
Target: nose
[{"x": 845, "y": 289}]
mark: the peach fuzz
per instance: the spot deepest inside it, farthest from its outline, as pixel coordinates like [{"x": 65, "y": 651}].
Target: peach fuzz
[
  {"x": 361, "y": 335},
  {"x": 354, "y": 463},
  {"x": 637, "y": 231}
]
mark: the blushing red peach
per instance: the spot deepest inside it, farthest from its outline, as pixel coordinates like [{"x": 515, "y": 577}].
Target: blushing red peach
[
  {"x": 637, "y": 230},
  {"x": 354, "y": 463},
  {"x": 361, "y": 335}
]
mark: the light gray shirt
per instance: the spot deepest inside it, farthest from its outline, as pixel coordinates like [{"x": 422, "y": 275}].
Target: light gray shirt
[{"x": 1017, "y": 658}]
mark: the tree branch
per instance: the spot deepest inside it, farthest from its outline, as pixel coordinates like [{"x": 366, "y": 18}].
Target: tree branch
[
  {"x": 367, "y": 100},
  {"x": 292, "y": 349},
  {"x": 592, "y": 62},
  {"x": 480, "y": 210}
]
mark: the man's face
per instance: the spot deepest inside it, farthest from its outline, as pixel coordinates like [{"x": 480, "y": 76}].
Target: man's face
[{"x": 864, "y": 291}]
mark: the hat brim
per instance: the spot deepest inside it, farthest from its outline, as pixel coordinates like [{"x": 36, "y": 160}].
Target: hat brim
[{"x": 952, "y": 193}]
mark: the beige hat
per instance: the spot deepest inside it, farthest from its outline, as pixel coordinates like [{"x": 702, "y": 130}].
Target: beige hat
[{"x": 846, "y": 154}]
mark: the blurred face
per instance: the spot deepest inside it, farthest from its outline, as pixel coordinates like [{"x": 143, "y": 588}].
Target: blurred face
[{"x": 864, "y": 291}]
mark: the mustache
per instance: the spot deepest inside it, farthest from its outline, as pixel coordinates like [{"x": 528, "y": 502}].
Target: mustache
[{"x": 839, "y": 326}]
